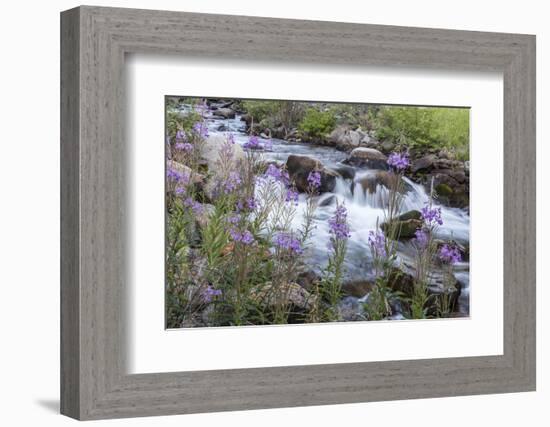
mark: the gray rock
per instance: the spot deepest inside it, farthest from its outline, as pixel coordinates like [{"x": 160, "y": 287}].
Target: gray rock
[
  {"x": 210, "y": 153},
  {"x": 368, "y": 157},
  {"x": 425, "y": 163}
]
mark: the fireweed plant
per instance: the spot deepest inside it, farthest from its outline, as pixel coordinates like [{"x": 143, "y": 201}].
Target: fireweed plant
[
  {"x": 239, "y": 229},
  {"x": 331, "y": 280},
  {"x": 383, "y": 242},
  {"x": 449, "y": 254}
]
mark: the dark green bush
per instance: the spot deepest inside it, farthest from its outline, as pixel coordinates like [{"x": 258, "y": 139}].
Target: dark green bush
[{"x": 316, "y": 124}]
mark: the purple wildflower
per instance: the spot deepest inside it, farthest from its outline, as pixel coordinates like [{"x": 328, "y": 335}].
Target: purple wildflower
[
  {"x": 338, "y": 224},
  {"x": 450, "y": 254},
  {"x": 251, "y": 203},
  {"x": 178, "y": 177},
  {"x": 286, "y": 241},
  {"x": 195, "y": 206},
  {"x": 431, "y": 215},
  {"x": 227, "y": 150},
  {"x": 247, "y": 237},
  {"x": 399, "y": 161},
  {"x": 184, "y": 146},
  {"x": 314, "y": 179},
  {"x": 253, "y": 143},
  {"x": 377, "y": 242},
  {"x": 234, "y": 219},
  {"x": 277, "y": 174},
  {"x": 244, "y": 237},
  {"x": 421, "y": 238},
  {"x": 209, "y": 293},
  {"x": 232, "y": 181},
  {"x": 291, "y": 196},
  {"x": 201, "y": 129},
  {"x": 181, "y": 136}
]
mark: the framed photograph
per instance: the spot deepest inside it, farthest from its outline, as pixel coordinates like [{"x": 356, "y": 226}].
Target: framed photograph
[{"x": 261, "y": 213}]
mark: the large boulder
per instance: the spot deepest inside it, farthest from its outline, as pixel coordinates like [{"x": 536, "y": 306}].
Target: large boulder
[
  {"x": 299, "y": 168},
  {"x": 367, "y": 157},
  {"x": 450, "y": 178},
  {"x": 345, "y": 138},
  {"x": 210, "y": 153}
]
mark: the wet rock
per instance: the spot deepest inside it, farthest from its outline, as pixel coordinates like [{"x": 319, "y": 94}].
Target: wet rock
[
  {"x": 424, "y": 163},
  {"x": 403, "y": 229},
  {"x": 367, "y": 157},
  {"x": 328, "y": 201},
  {"x": 299, "y": 168},
  {"x": 226, "y": 113},
  {"x": 412, "y": 214},
  {"x": 402, "y": 280},
  {"x": 371, "y": 181},
  {"x": 345, "y": 171}
]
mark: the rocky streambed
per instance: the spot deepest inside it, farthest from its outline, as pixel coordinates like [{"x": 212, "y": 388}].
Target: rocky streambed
[{"x": 354, "y": 172}]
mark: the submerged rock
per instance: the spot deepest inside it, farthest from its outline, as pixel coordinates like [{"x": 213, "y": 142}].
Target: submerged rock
[{"x": 371, "y": 181}]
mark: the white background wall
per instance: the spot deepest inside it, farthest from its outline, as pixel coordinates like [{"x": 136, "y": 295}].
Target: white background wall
[{"x": 29, "y": 212}]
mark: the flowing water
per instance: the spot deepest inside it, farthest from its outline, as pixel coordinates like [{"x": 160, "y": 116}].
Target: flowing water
[{"x": 364, "y": 209}]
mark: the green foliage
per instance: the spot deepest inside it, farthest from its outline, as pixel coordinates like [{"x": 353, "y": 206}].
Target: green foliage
[
  {"x": 260, "y": 110},
  {"x": 215, "y": 238},
  {"x": 425, "y": 128},
  {"x": 317, "y": 124},
  {"x": 274, "y": 113},
  {"x": 177, "y": 120}
]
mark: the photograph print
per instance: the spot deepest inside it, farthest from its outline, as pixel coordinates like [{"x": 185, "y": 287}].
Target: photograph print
[{"x": 294, "y": 212}]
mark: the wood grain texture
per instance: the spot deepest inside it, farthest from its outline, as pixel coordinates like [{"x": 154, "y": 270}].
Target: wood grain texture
[{"x": 95, "y": 237}]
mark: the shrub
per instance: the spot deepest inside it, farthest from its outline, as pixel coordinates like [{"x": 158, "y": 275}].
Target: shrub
[
  {"x": 260, "y": 110},
  {"x": 317, "y": 124},
  {"x": 274, "y": 113}
]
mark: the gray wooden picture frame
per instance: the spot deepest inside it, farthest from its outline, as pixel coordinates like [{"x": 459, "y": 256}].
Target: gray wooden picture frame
[{"x": 94, "y": 41}]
